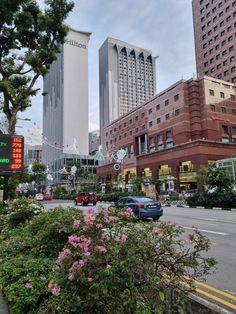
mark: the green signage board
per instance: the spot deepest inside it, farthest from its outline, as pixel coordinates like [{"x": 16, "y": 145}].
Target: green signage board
[{"x": 11, "y": 154}]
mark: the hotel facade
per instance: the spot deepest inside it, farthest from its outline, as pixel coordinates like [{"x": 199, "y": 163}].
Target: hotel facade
[
  {"x": 65, "y": 106},
  {"x": 127, "y": 78},
  {"x": 189, "y": 125}
]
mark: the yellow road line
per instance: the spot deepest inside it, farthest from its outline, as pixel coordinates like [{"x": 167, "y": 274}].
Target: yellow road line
[
  {"x": 225, "y": 294},
  {"x": 213, "y": 297},
  {"x": 202, "y": 284}
]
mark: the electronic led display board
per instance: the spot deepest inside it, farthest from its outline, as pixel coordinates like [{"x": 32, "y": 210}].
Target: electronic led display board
[{"x": 11, "y": 154}]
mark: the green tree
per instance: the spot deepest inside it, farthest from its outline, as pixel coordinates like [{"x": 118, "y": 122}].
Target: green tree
[
  {"x": 30, "y": 40},
  {"x": 219, "y": 179},
  {"x": 39, "y": 172}
]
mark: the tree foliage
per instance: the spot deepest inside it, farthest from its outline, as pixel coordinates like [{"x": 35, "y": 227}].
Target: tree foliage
[
  {"x": 219, "y": 179},
  {"x": 30, "y": 40}
]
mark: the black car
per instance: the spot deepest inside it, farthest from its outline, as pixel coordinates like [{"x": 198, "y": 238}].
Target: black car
[{"x": 143, "y": 207}]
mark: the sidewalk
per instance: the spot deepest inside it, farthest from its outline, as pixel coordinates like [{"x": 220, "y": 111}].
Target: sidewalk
[{"x": 3, "y": 306}]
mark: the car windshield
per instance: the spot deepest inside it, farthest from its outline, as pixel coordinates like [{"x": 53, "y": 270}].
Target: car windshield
[{"x": 143, "y": 200}]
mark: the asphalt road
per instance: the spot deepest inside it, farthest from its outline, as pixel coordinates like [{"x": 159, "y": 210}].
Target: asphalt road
[{"x": 220, "y": 227}]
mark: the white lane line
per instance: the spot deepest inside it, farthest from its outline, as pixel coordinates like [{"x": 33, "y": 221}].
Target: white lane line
[
  {"x": 207, "y": 223},
  {"x": 207, "y": 219},
  {"x": 207, "y": 231}
]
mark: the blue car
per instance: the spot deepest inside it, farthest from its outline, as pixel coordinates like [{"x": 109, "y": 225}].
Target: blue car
[{"x": 143, "y": 207}]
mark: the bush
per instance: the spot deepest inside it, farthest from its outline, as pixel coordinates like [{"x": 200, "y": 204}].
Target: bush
[
  {"x": 24, "y": 282},
  {"x": 106, "y": 263},
  {"x": 114, "y": 266},
  {"x": 18, "y": 211},
  {"x": 223, "y": 199},
  {"x": 45, "y": 235},
  {"x": 115, "y": 196}
]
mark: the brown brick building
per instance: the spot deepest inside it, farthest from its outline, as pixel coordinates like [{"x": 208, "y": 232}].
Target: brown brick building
[
  {"x": 186, "y": 126},
  {"x": 215, "y": 38}
]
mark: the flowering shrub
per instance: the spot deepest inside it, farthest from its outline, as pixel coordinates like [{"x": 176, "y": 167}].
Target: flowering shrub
[
  {"x": 110, "y": 265},
  {"x": 104, "y": 262},
  {"x": 18, "y": 211}
]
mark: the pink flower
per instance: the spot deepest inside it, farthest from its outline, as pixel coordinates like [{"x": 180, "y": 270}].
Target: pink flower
[
  {"x": 76, "y": 224},
  {"x": 89, "y": 279},
  {"x": 102, "y": 249},
  {"x": 28, "y": 285},
  {"x": 105, "y": 212},
  {"x": 74, "y": 240},
  {"x": 82, "y": 262},
  {"x": 111, "y": 218},
  {"x": 89, "y": 220},
  {"x": 91, "y": 211},
  {"x": 62, "y": 255},
  {"x": 87, "y": 254},
  {"x": 74, "y": 267},
  {"x": 129, "y": 212},
  {"x": 99, "y": 225},
  {"x": 53, "y": 287},
  {"x": 55, "y": 291},
  {"x": 121, "y": 237}
]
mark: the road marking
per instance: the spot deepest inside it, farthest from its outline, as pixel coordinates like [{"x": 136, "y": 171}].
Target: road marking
[
  {"x": 207, "y": 223},
  {"x": 207, "y": 231},
  {"x": 213, "y": 297},
  {"x": 225, "y": 294},
  {"x": 207, "y": 219}
]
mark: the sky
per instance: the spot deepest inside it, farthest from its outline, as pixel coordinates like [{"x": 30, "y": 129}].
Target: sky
[{"x": 163, "y": 26}]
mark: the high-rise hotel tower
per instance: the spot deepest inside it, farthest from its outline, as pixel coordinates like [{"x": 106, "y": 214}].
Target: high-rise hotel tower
[
  {"x": 65, "y": 107},
  {"x": 127, "y": 78},
  {"x": 215, "y": 38}
]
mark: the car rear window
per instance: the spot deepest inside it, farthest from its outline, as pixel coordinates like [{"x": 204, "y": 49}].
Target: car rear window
[{"x": 143, "y": 200}]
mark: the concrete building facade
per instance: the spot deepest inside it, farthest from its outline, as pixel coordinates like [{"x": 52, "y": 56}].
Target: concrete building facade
[
  {"x": 189, "y": 125},
  {"x": 215, "y": 38},
  {"x": 94, "y": 141},
  {"x": 127, "y": 78},
  {"x": 65, "y": 107}
]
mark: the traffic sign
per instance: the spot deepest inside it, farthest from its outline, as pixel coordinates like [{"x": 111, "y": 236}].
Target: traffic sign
[
  {"x": 11, "y": 154},
  {"x": 116, "y": 166}
]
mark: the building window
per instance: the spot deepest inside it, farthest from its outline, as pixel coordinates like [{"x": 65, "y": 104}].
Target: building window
[
  {"x": 158, "y": 107},
  {"x": 211, "y": 91},
  {"x": 150, "y": 124},
  {"x": 177, "y": 112},
  {"x": 222, "y": 95},
  {"x": 225, "y": 130},
  {"x": 167, "y": 116},
  {"x": 151, "y": 144},
  {"x": 232, "y": 97},
  {"x": 166, "y": 102},
  {"x": 223, "y": 109},
  {"x": 142, "y": 115},
  {"x": 158, "y": 120},
  {"x": 136, "y": 118},
  {"x": 150, "y": 111},
  {"x": 176, "y": 97},
  {"x": 213, "y": 108}
]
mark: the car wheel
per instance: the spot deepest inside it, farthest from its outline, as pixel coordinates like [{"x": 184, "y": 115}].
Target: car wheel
[
  {"x": 75, "y": 203},
  {"x": 94, "y": 203},
  {"x": 156, "y": 218}
]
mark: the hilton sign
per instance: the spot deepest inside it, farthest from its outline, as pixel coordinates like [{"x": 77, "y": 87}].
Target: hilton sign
[{"x": 75, "y": 43}]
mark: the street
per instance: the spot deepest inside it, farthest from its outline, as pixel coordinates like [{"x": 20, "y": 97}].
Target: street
[{"x": 220, "y": 227}]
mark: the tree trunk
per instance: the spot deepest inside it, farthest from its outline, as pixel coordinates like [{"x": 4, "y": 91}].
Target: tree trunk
[{"x": 12, "y": 125}]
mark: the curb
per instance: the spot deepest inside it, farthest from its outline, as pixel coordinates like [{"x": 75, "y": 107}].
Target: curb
[
  {"x": 211, "y": 308},
  {"x": 202, "y": 207}
]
